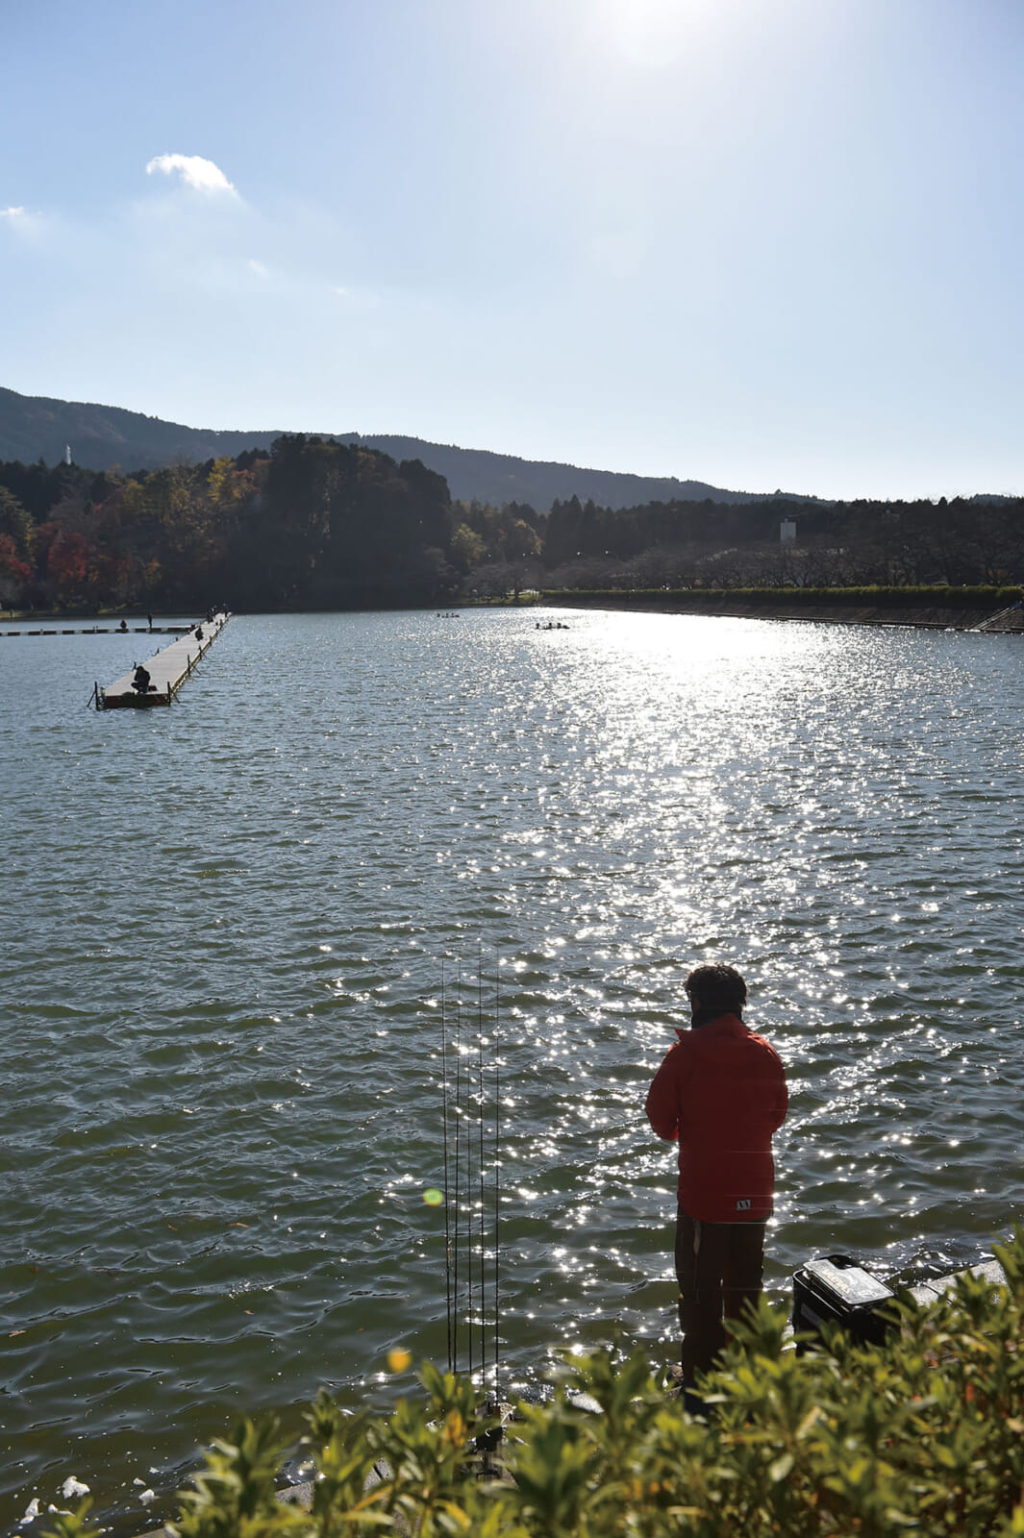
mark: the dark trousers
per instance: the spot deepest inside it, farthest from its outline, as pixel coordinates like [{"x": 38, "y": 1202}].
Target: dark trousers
[{"x": 719, "y": 1267}]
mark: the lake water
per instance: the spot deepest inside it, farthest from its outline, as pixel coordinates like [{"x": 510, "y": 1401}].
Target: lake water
[{"x": 223, "y": 938}]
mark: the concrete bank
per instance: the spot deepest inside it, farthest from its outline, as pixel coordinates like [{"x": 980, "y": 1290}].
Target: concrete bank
[{"x": 1001, "y": 621}]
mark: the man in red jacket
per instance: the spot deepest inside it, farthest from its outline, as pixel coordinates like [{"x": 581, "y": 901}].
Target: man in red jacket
[{"x": 722, "y": 1092}]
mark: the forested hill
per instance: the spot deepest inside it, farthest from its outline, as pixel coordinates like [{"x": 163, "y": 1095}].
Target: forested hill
[
  {"x": 480, "y": 475},
  {"x": 34, "y": 427}
]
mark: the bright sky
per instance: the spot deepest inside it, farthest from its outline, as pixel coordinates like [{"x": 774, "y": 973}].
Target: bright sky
[{"x": 756, "y": 242}]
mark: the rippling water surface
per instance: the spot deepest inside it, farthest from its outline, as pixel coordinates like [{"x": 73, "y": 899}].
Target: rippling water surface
[{"x": 223, "y": 938}]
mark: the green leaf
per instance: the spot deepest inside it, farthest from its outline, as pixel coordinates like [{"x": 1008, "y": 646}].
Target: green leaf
[{"x": 781, "y": 1467}]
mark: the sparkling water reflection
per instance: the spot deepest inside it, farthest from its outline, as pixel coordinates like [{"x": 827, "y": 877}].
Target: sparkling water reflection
[{"x": 224, "y": 933}]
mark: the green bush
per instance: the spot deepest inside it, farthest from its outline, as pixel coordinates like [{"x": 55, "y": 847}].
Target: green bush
[
  {"x": 942, "y": 597},
  {"x": 925, "y": 1434}
]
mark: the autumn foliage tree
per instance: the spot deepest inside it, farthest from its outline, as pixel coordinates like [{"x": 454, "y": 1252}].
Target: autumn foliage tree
[{"x": 313, "y": 524}]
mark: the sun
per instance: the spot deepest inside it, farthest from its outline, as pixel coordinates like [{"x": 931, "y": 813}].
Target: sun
[{"x": 653, "y": 34}]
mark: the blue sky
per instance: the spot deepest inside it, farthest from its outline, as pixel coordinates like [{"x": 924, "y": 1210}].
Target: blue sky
[{"x": 756, "y": 242}]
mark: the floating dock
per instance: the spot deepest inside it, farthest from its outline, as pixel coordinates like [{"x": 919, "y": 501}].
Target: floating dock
[
  {"x": 168, "y": 670},
  {"x": 106, "y": 630}
]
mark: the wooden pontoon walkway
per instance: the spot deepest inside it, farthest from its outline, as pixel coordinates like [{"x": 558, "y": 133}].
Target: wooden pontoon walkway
[
  {"x": 168, "y": 670},
  {"x": 6, "y": 630}
]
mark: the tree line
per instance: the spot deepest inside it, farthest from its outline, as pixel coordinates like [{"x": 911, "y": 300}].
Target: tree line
[
  {"x": 309, "y": 524},
  {"x": 314, "y": 523},
  {"x": 964, "y": 541}
]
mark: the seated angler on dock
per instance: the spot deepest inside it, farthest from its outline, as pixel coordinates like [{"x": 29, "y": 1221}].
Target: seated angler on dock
[
  {"x": 721, "y": 1091},
  {"x": 141, "y": 679}
]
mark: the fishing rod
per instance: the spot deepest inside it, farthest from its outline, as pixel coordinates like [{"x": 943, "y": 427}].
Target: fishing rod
[
  {"x": 480, "y": 1163},
  {"x": 469, "y": 1209},
  {"x": 444, "y": 1138},
  {"x": 469, "y": 1249},
  {"x": 458, "y": 1118},
  {"x": 497, "y": 1170}
]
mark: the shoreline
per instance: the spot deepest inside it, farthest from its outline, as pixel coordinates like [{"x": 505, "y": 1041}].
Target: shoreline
[
  {"x": 987, "y": 619},
  {"x": 917, "y": 616}
]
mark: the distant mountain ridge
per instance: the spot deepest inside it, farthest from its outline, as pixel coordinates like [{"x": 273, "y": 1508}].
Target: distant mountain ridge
[{"x": 36, "y": 427}]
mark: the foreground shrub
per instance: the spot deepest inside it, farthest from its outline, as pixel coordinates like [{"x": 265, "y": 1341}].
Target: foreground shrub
[{"x": 925, "y": 1434}]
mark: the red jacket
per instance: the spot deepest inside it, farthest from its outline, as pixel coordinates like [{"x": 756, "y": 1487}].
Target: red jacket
[{"x": 722, "y": 1092}]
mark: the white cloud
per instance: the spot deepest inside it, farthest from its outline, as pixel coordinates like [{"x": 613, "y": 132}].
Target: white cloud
[
  {"x": 196, "y": 172},
  {"x": 258, "y": 268},
  {"x": 357, "y": 298},
  {"x": 21, "y": 223}
]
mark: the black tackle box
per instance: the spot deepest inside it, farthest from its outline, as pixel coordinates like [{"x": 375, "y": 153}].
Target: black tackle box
[{"x": 834, "y": 1289}]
